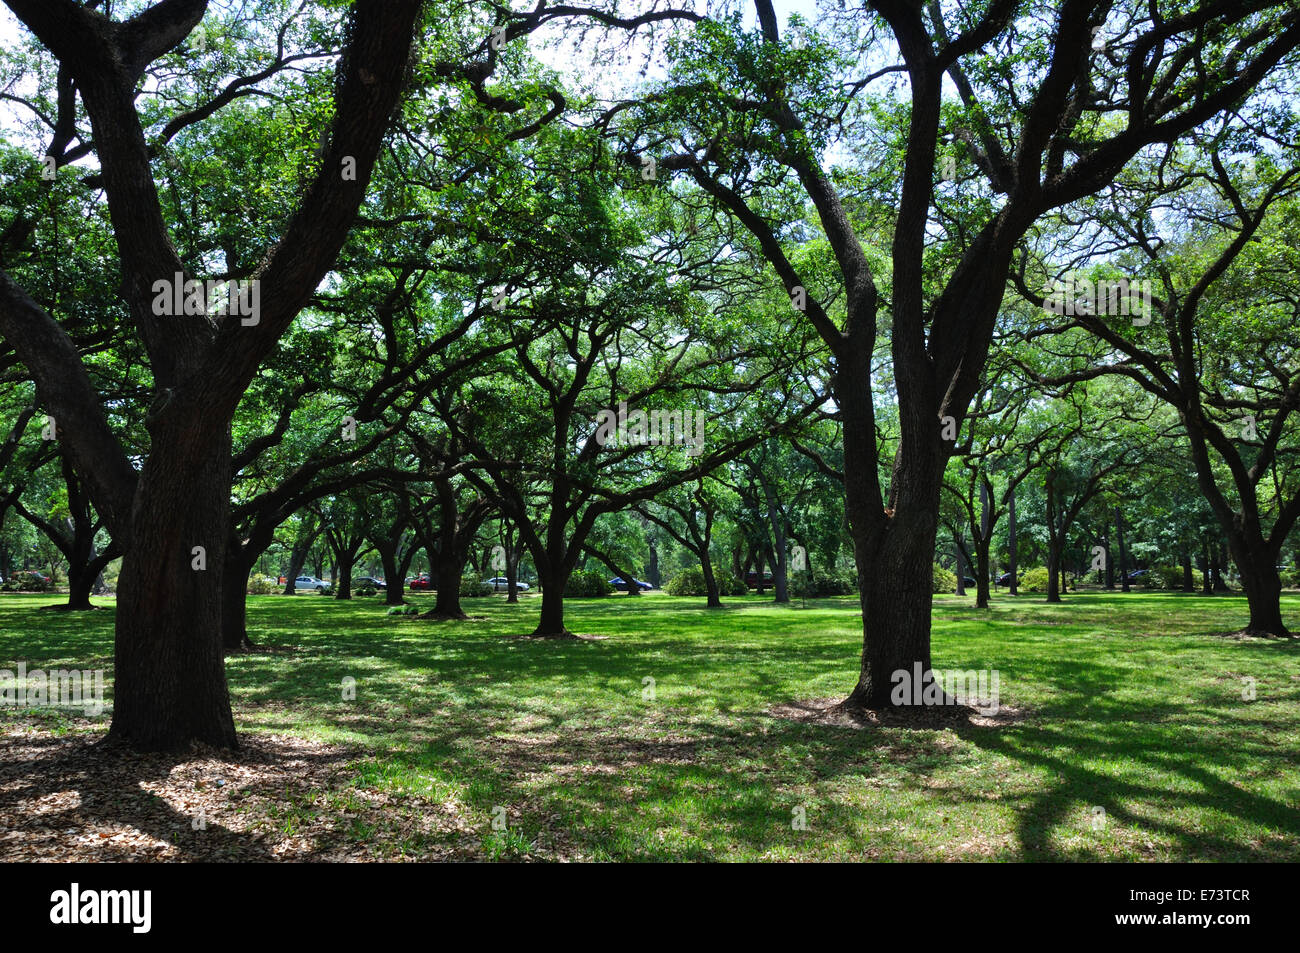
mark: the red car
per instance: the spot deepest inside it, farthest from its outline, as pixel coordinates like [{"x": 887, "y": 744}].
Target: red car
[{"x": 422, "y": 581}]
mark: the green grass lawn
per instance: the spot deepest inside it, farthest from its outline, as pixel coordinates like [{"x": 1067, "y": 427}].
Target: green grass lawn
[{"x": 656, "y": 741}]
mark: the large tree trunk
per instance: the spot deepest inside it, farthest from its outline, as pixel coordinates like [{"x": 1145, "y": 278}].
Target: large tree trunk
[
  {"x": 893, "y": 549},
  {"x": 81, "y": 579},
  {"x": 393, "y": 595},
  {"x": 552, "y": 575},
  {"x": 343, "y": 575},
  {"x": 448, "y": 564},
  {"x": 896, "y": 592},
  {"x": 1262, "y": 584},
  {"x": 170, "y": 679}
]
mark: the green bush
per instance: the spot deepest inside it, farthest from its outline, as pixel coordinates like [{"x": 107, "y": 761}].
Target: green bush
[
  {"x": 404, "y": 610},
  {"x": 471, "y": 588},
  {"x": 943, "y": 580},
  {"x": 814, "y": 585},
  {"x": 590, "y": 582},
  {"x": 260, "y": 585},
  {"x": 365, "y": 590},
  {"x": 1034, "y": 580},
  {"x": 690, "y": 582}
]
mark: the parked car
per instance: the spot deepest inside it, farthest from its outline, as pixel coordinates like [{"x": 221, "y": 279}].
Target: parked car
[
  {"x": 422, "y": 581},
  {"x": 968, "y": 581},
  {"x": 618, "y": 583},
  {"x": 1004, "y": 579},
  {"x": 369, "y": 581},
  {"x": 310, "y": 582},
  {"x": 1137, "y": 574},
  {"x": 502, "y": 584},
  {"x": 751, "y": 579}
]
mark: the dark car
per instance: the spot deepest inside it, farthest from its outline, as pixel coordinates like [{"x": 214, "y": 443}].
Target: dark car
[
  {"x": 968, "y": 581},
  {"x": 369, "y": 581},
  {"x": 618, "y": 583},
  {"x": 751, "y": 579},
  {"x": 422, "y": 581},
  {"x": 1137, "y": 574},
  {"x": 1004, "y": 579}
]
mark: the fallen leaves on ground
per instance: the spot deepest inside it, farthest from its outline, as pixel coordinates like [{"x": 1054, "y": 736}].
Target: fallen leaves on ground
[{"x": 279, "y": 798}]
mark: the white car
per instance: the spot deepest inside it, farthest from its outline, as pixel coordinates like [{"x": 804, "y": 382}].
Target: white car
[
  {"x": 310, "y": 582},
  {"x": 502, "y": 584}
]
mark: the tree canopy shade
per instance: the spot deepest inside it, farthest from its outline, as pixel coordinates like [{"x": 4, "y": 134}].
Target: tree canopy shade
[{"x": 454, "y": 275}]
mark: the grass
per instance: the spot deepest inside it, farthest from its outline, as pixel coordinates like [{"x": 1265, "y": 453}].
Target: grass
[{"x": 656, "y": 740}]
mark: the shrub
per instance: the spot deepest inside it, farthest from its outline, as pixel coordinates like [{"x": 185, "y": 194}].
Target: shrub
[
  {"x": 404, "y": 610},
  {"x": 365, "y": 590},
  {"x": 260, "y": 585},
  {"x": 943, "y": 580},
  {"x": 471, "y": 588},
  {"x": 590, "y": 582},
  {"x": 1034, "y": 580},
  {"x": 815, "y": 585},
  {"x": 690, "y": 582},
  {"x": 23, "y": 581}
]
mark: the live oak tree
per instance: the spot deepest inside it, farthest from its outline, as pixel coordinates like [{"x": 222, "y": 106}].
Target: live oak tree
[
  {"x": 1040, "y": 115},
  {"x": 1220, "y": 345},
  {"x": 171, "y": 516}
]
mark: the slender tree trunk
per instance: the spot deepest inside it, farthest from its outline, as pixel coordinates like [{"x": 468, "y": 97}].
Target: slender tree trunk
[
  {"x": 1123, "y": 551},
  {"x": 1207, "y": 571},
  {"x": 1053, "y": 571},
  {"x": 1189, "y": 581},
  {"x": 652, "y": 569},
  {"x": 778, "y": 534},
  {"x": 170, "y": 678},
  {"x": 957, "y": 564},
  {"x": 512, "y": 572},
  {"x": 234, "y": 600},
  {"x": 1011, "y": 544},
  {"x": 983, "y": 541},
  {"x": 710, "y": 581}
]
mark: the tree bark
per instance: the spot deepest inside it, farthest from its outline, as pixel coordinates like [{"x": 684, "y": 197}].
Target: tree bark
[
  {"x": 170, "y": 679},
  {"x": 234, "y": 602}
]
